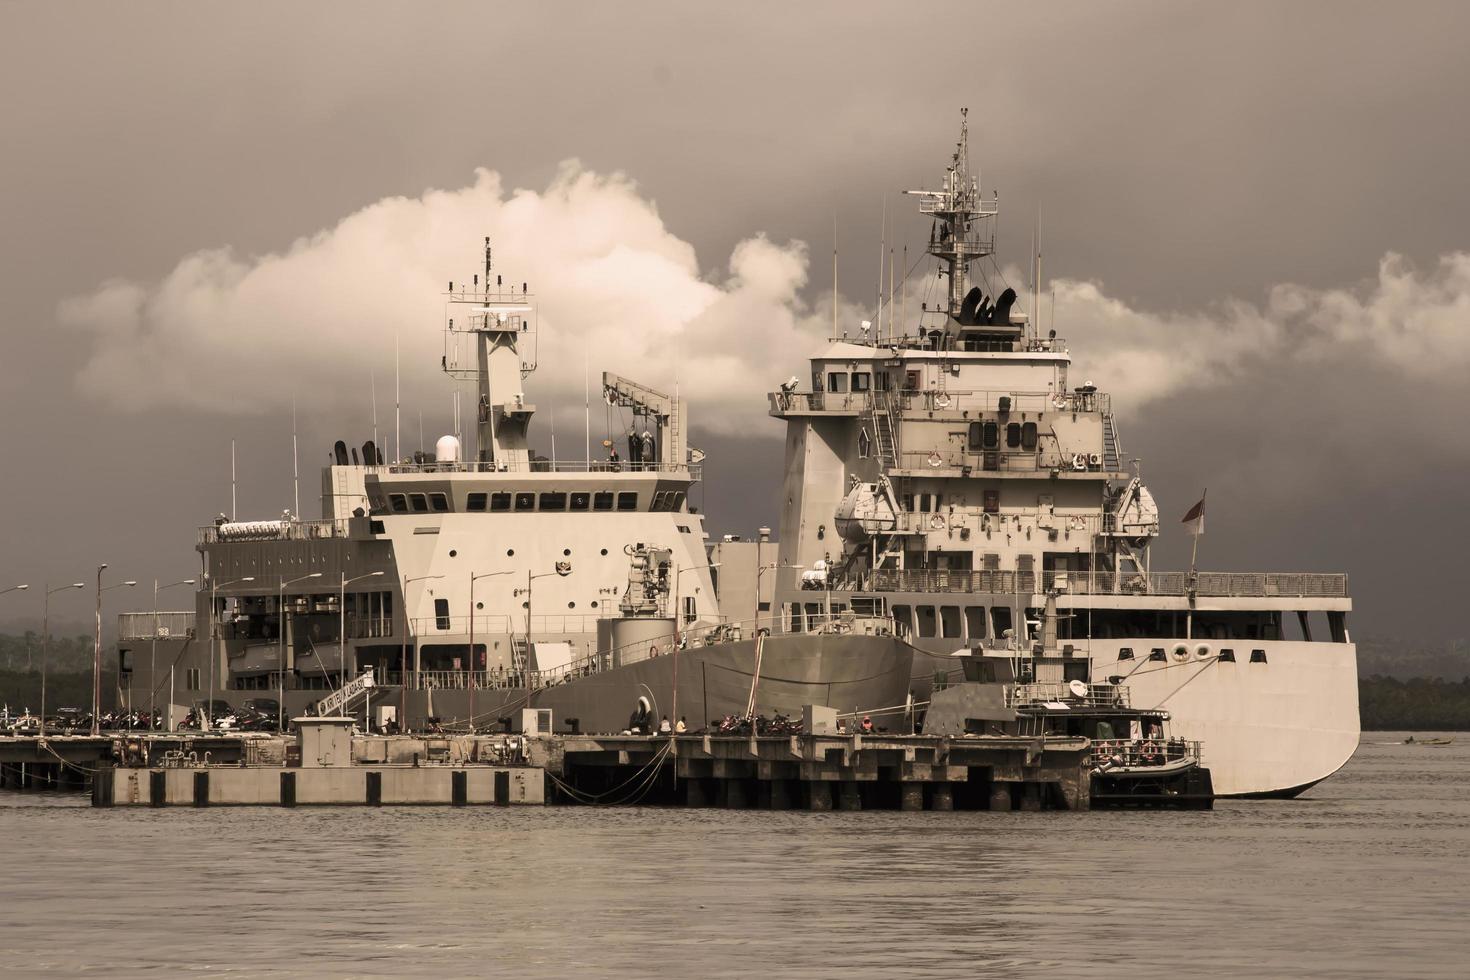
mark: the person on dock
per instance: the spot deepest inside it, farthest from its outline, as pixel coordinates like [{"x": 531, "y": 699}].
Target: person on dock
[
  {"x": 664, "y": 728},
  {"x": 680, "y": 727},
  {"x": 867, "y": 725}
]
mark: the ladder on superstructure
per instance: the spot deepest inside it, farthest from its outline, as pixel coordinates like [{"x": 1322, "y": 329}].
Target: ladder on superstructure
[
  {"x": 885, "y": 444},
  {"x": 1112, "y": 452}
]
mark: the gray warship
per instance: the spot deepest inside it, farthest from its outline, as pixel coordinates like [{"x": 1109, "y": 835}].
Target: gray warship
[{"x": 457, "y": 589}]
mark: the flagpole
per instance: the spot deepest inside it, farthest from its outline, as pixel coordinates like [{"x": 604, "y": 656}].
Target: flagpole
[{"x": 1193, "y": 584}]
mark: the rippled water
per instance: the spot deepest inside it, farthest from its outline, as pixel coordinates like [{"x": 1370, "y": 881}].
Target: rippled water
[{"x": 1366, "y": 875}]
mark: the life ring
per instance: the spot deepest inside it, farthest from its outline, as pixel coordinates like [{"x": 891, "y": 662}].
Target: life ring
[
  {"x": 942, "y": 400},
  {"x": 1079, "y": 462},
  {"x": 1181, "y": 652},
  {"x": 936, "y": 521},
  {"x": 1203, "y": 651},
  {"x": 935, "y": 459},
  {"x": 1059, "y": 401}
]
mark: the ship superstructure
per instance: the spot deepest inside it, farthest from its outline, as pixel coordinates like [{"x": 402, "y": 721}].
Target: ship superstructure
[
  {"x": 473, "y": 583},
  {"x": 953, "y": 474}
]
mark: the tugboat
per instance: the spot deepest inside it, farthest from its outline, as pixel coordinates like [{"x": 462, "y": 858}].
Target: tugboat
[{"x": 1135, "y": 761}]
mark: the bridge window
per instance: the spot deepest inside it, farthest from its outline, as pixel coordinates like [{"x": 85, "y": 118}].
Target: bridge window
[
  {"x": 500, "y": 501},
  {"x": 420, "y": 503},
  {"x": 1258, "y": 656},
  {"x": 837, "y": 382},
  {"x": 525, "y": 501},
  {"x": 975, "y": 622},
  {"x": 992, "y": 435},
  {"x": 1125, "y": 653},
  {"x": 927, "y": 622},
  {"x": 399, "y": 503},
  {"x": 1013, "y": 435},
  {"x": 1227, "y": 656},
  {"x": 991, "y": 499},
  {"x": 1028, "y": 436},
  {"x": 554, "y": 501},
  {"x": 441, "y": 614},
  {"x": 861, "y": 381},
  {"x": 977, "y": 435},
  {"x": 1157, "y": 653},
  {"x": 903, "y": 620},
  {"x": 439, "y": 502},
  {"x": 581, "y": 501},
  {"x": 475, "y": 501},
  {"x": 627, "y": 501},
  {"x": 949, "y": 621}
]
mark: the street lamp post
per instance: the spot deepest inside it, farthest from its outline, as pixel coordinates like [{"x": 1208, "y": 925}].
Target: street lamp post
[
  {"x": 45, "y": 639},
  {"x": 214, "y": 588},
  {"x": 281, "y": 663},
  {"x": 403, "y": 657},
  {"x": 14, "y": 588},
  {"x": 474, "y": 661},
  {"x": 342, "y": 629},
  {"x": 153, "y": 651},
  {"x": 97, "y": 653}
]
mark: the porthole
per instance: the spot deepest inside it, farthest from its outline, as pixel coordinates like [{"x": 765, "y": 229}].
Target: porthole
[
  {"x": 571, "y": 605},
  {"x": 479, "y": 605},
  {"x": 604, "y": 551},
  {"x": 452, "y": 553},
  {"x": 594, "y": 603},
  {"x": 510, "y": 552},
  {"x": 566, "y": 551},
  {"x": 525, "y": 605}
]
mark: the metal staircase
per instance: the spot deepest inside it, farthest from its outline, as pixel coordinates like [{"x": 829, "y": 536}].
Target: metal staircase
[
  {"x": 518, "y": 653},
  {"x": 1112, "y": 452},
  {"x": 335, "y": 703},
  {"x": 885, "y": 443}
]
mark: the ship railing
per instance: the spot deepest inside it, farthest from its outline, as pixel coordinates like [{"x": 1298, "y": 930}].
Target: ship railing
[
  {"x": 991, "y": 400},
  {"x": 1218, "y": 584},
  {"x": 499, "y": 624},
  {"x": 691, "y": 470},
  {"x": 1215, "y": 584},
  {"x": 282, "y": 530},
  {"x": 1042, "y": 692},
  {"x": 998, "y": 460},
  {"x": 919, "y": 521},
  {"x": 1143, "y": 752},
  {"x": 148, "y": 625}
]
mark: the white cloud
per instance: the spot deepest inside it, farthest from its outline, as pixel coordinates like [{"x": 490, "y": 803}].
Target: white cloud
[
  {"x": 231, "y": 334},
  {"x": 242, "y": 335}
]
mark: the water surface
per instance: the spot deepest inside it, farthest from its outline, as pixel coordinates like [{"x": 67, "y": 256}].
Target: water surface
[{"x": 1367, "y": 875}]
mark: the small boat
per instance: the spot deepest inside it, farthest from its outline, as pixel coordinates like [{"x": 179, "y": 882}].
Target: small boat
[{"x": 1411, "y": 740}]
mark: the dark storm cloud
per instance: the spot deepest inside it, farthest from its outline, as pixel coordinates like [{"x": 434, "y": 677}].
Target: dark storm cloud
[{"x": 1188, "y": 158}]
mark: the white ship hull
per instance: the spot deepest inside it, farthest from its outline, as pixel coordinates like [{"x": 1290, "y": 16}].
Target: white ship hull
[{"x": 1268, "y": 729}]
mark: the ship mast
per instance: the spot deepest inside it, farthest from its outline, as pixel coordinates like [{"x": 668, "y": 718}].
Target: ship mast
[{"x": 961, "y": 231}]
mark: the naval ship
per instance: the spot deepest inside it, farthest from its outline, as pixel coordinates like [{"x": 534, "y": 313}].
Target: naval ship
[
  {"x": 458, "y": 589},
  {"x": 951, "y": 476}
]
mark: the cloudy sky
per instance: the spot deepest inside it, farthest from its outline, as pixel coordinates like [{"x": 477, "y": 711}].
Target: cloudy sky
[{"x": 1255, "y": 220}]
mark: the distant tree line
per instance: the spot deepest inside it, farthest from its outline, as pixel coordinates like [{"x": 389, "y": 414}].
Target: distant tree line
[
  {"x": 1416, "y": 704},
  {"x": 64, "y": 653},
  {"x": 21, "y": 690}
]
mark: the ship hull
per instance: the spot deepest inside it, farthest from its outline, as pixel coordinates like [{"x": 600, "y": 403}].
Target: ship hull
[
  {"x": 852, "y": 674},
  {"x": 1269, "y": 729}
]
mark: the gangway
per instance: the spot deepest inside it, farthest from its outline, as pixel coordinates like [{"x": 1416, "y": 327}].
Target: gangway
[{"x": 335, "y": 703}]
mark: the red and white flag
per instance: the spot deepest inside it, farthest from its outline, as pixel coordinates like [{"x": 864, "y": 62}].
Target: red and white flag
[{"x": 1196, "y": 517}]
